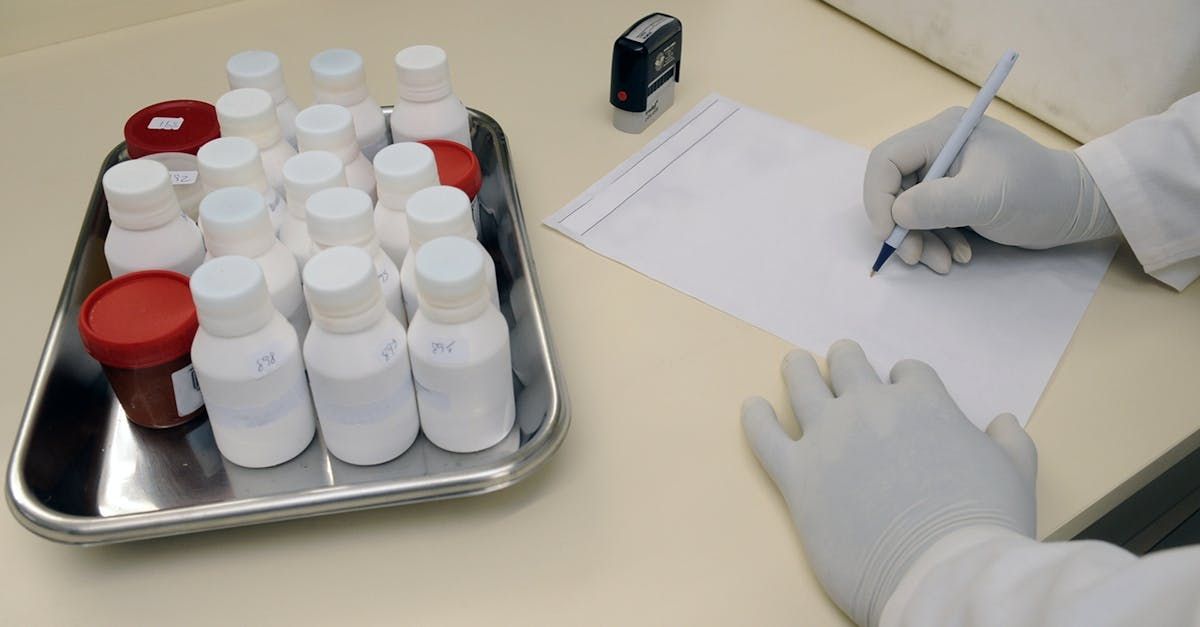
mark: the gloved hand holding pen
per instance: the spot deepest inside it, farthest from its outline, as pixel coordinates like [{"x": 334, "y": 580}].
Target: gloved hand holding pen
[{"x": 1004, "y": 185}]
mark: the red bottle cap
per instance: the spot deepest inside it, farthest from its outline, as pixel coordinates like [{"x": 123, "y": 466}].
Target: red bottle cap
[
  {"x": 457, "y": 166},
  {"x": 139, "y": 320},
  {"x": 171, "y": 126}
]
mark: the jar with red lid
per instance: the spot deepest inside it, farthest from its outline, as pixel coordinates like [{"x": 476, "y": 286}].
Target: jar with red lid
[
  {"x": 171, "y": 133},
  {"x": 457, "y": 166},
  {"x": 140, "y": 328}
]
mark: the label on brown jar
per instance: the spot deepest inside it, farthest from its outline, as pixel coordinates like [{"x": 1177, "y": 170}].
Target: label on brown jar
[{"x": 187, "y": 390}]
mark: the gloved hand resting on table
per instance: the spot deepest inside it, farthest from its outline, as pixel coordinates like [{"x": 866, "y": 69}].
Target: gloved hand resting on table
[
  {"x": 883, "y": 470},
  {"x": 1004, "y": 185}
]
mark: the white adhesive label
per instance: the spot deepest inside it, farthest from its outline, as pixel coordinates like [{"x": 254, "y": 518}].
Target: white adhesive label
[
  {"x": 449, "y": 350},
  {"x": 647, "y": 27},
  {"x": 184, "y": 177},
  {"x": 165, "y": 124},
  {"x": 233, "y": 417},
  {"x": 385, "y": 410},
  {"x": 187, "y": 390},
  {"x": 390, "y": 350}
]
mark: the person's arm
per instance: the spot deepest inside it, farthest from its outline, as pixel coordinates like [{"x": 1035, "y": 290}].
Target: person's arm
[
  {"x": 992, "y": 576},
  {"x": 1149, "y": 173},
  {"x": 910, "y": 515},
  {"x": 884, "y": 470}
]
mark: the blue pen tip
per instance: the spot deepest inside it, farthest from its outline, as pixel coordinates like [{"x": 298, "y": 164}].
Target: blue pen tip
[{"x": 884, "y": 253}]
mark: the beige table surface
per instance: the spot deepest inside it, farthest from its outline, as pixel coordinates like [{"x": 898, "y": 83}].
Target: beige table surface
[{"x": 654, "y": 511}]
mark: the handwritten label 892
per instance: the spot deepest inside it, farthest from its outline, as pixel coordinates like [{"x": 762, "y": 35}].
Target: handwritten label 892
[{"x": 390, "y": 350}]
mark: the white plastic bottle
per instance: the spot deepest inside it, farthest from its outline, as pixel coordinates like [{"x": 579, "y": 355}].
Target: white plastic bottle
[
  {"x": 235, "y": 222},
  {"x": 261, "y": 69},
  {"x": 357, "y": 356},
  {"x": 330, "y": 127},
  {"x": 304, "y": 175},
  {"x": 185, "y": 180},
  {"x": 426, "y": 107},
  {"x": 148, "y": 229},
  {"x": 250, "y": 113},
  {"x": 248, "y": 362},
  {"x": 435, "y": 212},
  {"x": 235, "y": 162},
  {"x": 458, "y": 344},
  {"x": 339, "y": 78},
  {"x": 341, "y": 216},
  {"x": 400, "y": 170}
]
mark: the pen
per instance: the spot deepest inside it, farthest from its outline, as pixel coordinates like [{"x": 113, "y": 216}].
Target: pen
[{"x": 968, "y": 122}]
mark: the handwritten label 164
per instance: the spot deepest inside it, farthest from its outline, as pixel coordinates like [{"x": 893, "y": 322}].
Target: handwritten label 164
[{"x": 165, "y": 124}]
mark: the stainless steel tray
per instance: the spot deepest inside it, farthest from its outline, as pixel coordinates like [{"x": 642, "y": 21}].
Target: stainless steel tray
[{"x": 80, "y": 473}]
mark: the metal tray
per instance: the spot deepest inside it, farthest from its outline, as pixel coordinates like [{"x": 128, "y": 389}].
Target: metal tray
[{"x": 81, "y": 473}]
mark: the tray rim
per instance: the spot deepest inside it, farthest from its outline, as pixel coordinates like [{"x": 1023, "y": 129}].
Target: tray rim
[{"x": 75, "y": 529}]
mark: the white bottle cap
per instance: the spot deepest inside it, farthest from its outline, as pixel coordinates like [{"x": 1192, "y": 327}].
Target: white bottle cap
[
  {"x": 340, "y": 283},
  {"x": 403, "y": 169},
  {"x": 308, "y": 173},
  {"x": 235, "y": 222},
  {"x": 450, "y": 273},
  {"x": 328, "y": 127},
  {"x": 139, "y": 194},
  {"x": 231, "y": 162},
  {"x": 341, "y": 216},
  {"x": 231, "y": 296},
  {"x": 338, "y": 77},
  {"x": 438, "y": 211},
  {"x": 423, "y": 72},
  {"x": 249, "y": 112},
  {"x": 257, "y": 68}
]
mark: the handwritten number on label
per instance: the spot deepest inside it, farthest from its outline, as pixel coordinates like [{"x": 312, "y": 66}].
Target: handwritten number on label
[
  {"x": 266, "y": 361},
  {"x": 165, "y": 124},
  {"x": 183, "y": 177},
  {"x": 389, "y": 350},
  {"x": 443, "y": 348}
]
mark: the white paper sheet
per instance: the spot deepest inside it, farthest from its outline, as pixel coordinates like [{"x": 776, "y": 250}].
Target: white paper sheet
[{"x": 763, "y": 219}]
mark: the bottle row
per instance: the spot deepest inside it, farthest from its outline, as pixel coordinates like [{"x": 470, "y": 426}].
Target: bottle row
[
  {"x": 175, "y": 349},
  {"x": 148, "y": 232},
  {"x": 344, "y": 120}
]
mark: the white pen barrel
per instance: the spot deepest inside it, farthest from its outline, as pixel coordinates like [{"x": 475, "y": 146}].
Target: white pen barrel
[
  {"x": 971, "y": 117},
  {"x": 896, "y": 237}
]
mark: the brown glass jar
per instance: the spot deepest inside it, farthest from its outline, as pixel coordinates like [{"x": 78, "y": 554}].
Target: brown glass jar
[{"x": 140, "y": 328}]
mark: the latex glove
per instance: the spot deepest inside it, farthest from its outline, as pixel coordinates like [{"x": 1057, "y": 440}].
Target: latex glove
[
  {"x": 883, "y": 470},
  {"x": 1004, "y": 185}
]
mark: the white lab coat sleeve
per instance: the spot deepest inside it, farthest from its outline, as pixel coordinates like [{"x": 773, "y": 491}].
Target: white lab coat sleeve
[
  {"x": 1149, "y": 173},
  {"x": 990, "y": 576}
]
